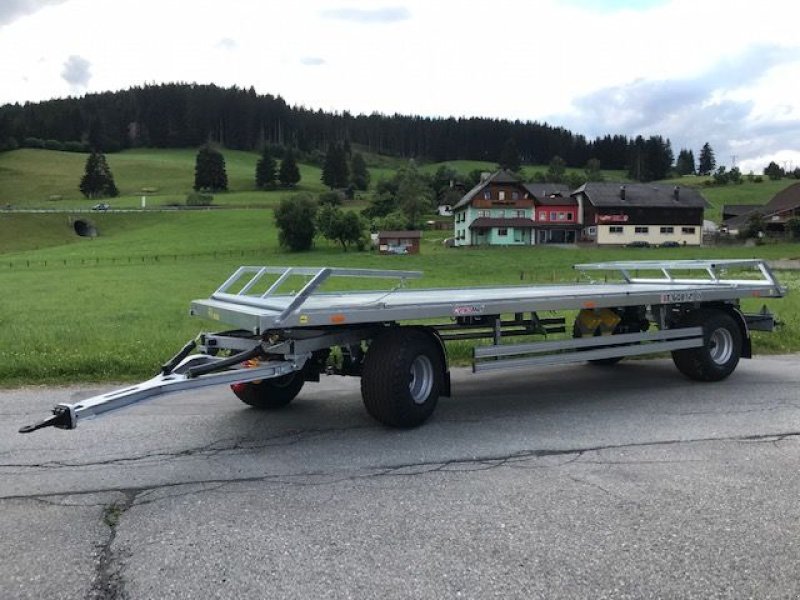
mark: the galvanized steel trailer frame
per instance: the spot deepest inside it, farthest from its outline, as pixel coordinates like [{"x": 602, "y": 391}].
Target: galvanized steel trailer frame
[{"x": 282, "y": 335}]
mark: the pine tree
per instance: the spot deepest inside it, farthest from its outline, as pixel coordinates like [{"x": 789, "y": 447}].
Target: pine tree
[
  {"x": 359, "y": 174},
  {"x": 266, "y": 171},
  {"x": 707, "y": 162},
  {"x": 288, "y": 174},
  {"x": 334, "y": 171},
  {"x": 685, "y": 162},
  {"x": 97, "y": 180},
  {"x": 509, "y": 156},
  {"x": 209, "y": 170}
]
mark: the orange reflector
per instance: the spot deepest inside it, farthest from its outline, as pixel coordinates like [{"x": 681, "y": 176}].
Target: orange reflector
[
  {"x": 589, "y": 304},
  {"x": 338, "y": 319}
]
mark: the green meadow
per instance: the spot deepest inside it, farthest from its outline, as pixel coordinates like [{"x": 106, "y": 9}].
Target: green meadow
[{"x": 114, "y": 307}]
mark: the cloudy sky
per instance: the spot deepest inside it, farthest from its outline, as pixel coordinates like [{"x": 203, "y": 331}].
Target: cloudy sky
[{"x": 726, "y": 72}]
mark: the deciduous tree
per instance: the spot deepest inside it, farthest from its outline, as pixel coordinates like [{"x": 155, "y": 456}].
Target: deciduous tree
[
  {"x": 295, "y": 218},
  {"x": 344, "y": 227}
]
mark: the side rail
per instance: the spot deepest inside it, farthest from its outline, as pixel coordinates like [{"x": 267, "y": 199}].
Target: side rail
[
  {"x": 693, "y": 272},
  {"x": 247, "y": 279}
]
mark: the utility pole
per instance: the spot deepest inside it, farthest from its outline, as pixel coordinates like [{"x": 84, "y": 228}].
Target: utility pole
[{"x": 733, "y": 160}]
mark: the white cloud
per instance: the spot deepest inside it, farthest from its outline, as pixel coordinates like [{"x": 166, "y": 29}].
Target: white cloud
[
  {"x": 11, "y": 10},
  {"x": 692, "y": 71},
  {"x": 76, "y": 71}
]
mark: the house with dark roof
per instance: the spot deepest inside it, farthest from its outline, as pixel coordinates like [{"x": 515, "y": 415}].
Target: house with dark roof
[
  {"x": 783, "y": 206},
  {"x": 502, "y": 210},
  {"x": 616, "y": 214}
]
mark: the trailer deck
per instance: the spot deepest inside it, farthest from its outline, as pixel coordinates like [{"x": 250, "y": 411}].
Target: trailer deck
[{"x": 309, "y": 308}]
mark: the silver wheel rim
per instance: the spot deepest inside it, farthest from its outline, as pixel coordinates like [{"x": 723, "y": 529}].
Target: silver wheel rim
[
  {"x": 421, "y": 379},
  {"x": 720, "y": 346}
]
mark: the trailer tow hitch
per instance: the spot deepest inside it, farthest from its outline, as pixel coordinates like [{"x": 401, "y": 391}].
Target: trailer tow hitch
[{"x": 182, "y": 372}]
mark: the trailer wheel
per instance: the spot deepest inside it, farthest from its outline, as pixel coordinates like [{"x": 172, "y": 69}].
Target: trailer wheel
[
  {"x": 402, "y": 378},
  {"x": 720, "y": 353},
  {"x": 270, "y": 394}
]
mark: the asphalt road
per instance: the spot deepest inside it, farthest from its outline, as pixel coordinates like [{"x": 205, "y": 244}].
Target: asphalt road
[{"x": 584, "y": 482}]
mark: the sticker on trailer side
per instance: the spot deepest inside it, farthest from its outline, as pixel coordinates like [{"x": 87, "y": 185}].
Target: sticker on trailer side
[
  {"x": 678, "y": 297},
  {"x": 467, "y": 310}
]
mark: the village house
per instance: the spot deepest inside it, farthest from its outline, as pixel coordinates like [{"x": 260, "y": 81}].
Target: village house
[
  {"x": 502, "y": 210},
  {"x": 641, "y": 213},
  {"x": 783, "y": 206}
]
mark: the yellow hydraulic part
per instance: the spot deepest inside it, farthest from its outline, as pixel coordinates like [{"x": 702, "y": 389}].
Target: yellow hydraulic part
[{"x": 589, "y": 320}]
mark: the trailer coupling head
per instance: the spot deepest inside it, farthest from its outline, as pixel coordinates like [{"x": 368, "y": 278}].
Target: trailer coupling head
[{"x": 63, "y": 418}]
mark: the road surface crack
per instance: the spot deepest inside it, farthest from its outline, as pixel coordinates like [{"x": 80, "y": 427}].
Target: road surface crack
[{"x": 108, "y": 583}]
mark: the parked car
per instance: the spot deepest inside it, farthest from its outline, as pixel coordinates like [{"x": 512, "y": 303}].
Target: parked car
[
  {"x": 670, "y": 244},
  {"x": 101, "y": 206},
  {"x": 638, "y": 244}
]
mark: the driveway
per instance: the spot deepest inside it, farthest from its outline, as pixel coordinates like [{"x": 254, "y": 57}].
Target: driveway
[{"x": 569, "y": 482}]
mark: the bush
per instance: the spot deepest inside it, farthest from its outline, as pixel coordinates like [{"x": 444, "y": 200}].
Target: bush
[
  {"x": 53, "y": 145},
  {"x": 74, "y": 146},
  {"x": 9, "y": 143},
  {"x": 32, "y": 142},
  {"x": 332, "y": 198},
  {"x": 198, "y": 199}
]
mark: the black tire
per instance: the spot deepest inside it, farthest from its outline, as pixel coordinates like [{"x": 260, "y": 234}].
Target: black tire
[
  {"x": 402, "y": 378},
  {"x": 270, "y": 394},
  {"x": 720, "y": 353}
]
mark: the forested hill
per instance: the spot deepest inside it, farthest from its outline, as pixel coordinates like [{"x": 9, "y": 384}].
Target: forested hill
[{"x": 187, "y": 115}]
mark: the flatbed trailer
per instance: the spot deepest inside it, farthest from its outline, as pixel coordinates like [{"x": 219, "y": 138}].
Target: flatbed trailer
[{"x": 396, "y": 339}]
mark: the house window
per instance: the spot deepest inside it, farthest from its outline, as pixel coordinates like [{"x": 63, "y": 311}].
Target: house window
[
  {"x": 501, "y": 195},
  {"x": 644, "y": 230},
  {"x": 500, "y": 213},
  {"x": 687, "y": 230},
  {"x": 487, "y": 195},
  {"x": 553, "y": 215},
  {"x": 615, "y": 229},
  {"x": 667, "y": 230},
  {"x": 484, "y": 213},
  {"x": 570, "y": 217},
  {"x": 561, "y": 216},
  {"x": 543, "y": 215},
  {"x": 515, "y": 195},
  {"x": 521, "y": 213},
  {"x": 502, "y": 231},
  {"x": 518, "y": 235}
]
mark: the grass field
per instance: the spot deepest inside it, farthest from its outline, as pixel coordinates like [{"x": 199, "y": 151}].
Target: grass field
[
  {"x": 115, "y": 306},
  {"x": 115, "y": 312}
]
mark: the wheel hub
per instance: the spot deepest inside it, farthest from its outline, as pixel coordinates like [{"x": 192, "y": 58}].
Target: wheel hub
[
  {"x": 420, "y": 379},
  {"x": 720, "y": 346}
]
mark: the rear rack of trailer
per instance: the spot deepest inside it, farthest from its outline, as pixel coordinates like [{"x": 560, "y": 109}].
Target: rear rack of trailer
[{"x": 395, "y": 339}]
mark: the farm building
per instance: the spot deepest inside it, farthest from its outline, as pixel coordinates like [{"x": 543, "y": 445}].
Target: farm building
[
  {"x": 399, "y": 242},
  {"x": 502, "y": 210},
  {"x": 649, "y": 213},
  {"x": 783, "y": 206}
]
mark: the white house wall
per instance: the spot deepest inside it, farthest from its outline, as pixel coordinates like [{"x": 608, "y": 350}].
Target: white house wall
[{"x": 653, "y": 236}]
